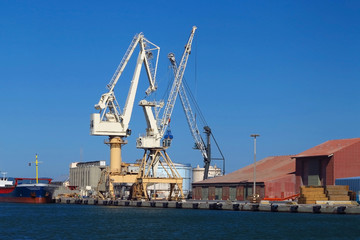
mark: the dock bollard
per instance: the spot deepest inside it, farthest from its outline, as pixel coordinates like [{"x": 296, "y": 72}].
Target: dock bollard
[
  {"x": 274, "y": 207},
  {"x": 138, "y": 204},
  {"x": 341, "y": 209},
  {"x": 316, "y": 209},
  {"x": 110, "y": 202},
  {"x": 116, "y": 203},
  {"x": 195, "y": 205},
  {"x": 105, "y": 202},
  {"x": 236, "y": 207},
  {"x": 215, "y": 206},
  {"x": 68, "y": 201},
  {"x": 165, "y": 204},
  {"x": 152, "y": 204},
  {"x": 294, "y": 209},
  {"x": 127, "y": 203},
  {"x": 212, "y": 206},
  {"x": 178, "y": 205},
  {"x": 96, "y": 202},
  {"x": 255, "y": 207}
]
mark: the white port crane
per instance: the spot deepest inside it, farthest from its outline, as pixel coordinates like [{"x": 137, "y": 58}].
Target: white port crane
[
  {"x": 156, "y": 127},
  {"x": 111, "y": 121}
]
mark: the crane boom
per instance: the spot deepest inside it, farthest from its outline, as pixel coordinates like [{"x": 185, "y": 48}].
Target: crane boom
[
  {"x": 111, "y": 121},
  {"x": 191, "y": 120},
  {"x": 175, "y": 87},
  {"x": 199, "y": 143},
  {"x": 157, "y": 127}
]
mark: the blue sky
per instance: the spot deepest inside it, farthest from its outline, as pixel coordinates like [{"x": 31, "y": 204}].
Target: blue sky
[{"x": 287, "y": 70}]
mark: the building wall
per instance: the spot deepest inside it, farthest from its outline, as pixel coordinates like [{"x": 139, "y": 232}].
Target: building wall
[
  {"x": 347, "y": 162},
  {"x": 281, "y": 187},
  {"x": 198, "y": 173},
  {"x": 231, "y": 192},
  {"x": 85, "y": 176},
  {"x": 305, "y": 168},
  {"x": 240, "y": 193},
  {"x": 185, "y": 171},
  {"x": 330, "y": 167}
]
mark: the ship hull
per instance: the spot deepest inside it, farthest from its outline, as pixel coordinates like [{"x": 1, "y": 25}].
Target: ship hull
[{"x": 27, "y": 193}]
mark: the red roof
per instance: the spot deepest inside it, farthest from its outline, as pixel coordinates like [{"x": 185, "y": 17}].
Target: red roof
[
  {"x": 266, "y": 169},
  {"x": 328, "y": 148}
]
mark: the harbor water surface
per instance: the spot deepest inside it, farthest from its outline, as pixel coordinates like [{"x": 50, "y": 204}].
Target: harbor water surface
[{"x": 60, "y": 221}]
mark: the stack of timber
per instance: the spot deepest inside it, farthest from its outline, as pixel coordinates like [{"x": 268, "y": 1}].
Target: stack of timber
[
  {"x": 311, "y": 194},
  {"x": 337, "y": 192}
]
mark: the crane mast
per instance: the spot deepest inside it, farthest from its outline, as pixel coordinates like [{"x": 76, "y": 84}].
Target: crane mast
[
  {"x": 157, "y": 127},
  {"x": 155, "y": 152},
  {"x": 111, "y": 121},
  {"x": 175, "y": 87}
]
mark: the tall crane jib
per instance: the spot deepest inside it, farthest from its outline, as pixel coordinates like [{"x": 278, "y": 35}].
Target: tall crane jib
[
  {"x": 155, "y": 149},
  {"x": 156, "y": 127},
  {"x": 110, "y": 120},
  {"x": 200, "y": 144}
]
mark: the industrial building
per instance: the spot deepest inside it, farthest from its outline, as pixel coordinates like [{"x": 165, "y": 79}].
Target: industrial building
[
  {"x": 86, "y": 175},
  {"x": 198, "y": 173},
  {"x": 324, "y": 163},
  {"x": 163, "y": 189},
  {"x": 282, "y": 176},
  {"x": 275, "y": 178}
]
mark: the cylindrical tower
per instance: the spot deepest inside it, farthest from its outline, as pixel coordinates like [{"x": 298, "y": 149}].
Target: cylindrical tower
[
  {"x": 115, "y": 154},
  {"x": 115, "y": 160}
]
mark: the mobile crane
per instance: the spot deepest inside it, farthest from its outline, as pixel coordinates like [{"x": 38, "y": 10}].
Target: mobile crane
[
  {"x": 154, "y": 148},
  {"x": 111, "y": 121}
]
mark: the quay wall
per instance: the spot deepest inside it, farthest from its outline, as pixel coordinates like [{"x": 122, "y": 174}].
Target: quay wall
[{"x": 254, "y": 207}]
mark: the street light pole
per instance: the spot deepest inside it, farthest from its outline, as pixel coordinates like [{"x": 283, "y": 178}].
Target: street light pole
[{"x": 254, "y": 187}]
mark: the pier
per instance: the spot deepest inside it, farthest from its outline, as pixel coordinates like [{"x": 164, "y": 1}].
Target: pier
[{"x": 227, "y": 206}]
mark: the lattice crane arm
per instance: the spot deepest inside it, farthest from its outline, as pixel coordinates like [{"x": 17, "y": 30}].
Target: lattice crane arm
[
  {"x": 157, "y": 127},
  {"x": 169, "y": 107},
  {"x": 191, "y": 120},
  {"x": 111, "y": 121}
]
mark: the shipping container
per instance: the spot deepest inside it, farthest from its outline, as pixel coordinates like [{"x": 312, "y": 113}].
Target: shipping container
[{"x": 353, "y": 183}]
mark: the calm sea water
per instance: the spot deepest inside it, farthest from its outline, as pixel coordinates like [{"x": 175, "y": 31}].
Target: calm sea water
[{"x": 60, "y": 221}]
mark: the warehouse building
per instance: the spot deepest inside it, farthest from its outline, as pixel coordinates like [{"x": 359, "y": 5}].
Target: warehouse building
[
  {"x": 86, "y": 175},
  {"x": 275, "y": 178},
  {"x": 324, "y": 163},
  {"x": 282, "y": 176}
]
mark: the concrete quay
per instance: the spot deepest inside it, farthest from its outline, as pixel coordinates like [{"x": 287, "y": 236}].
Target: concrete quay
[{"x": 230, "y": 206}]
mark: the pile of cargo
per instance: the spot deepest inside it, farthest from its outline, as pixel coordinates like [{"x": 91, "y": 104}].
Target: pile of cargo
[
  {"x": 311, "y": 194},
  {"x": 337, "y": 193}
]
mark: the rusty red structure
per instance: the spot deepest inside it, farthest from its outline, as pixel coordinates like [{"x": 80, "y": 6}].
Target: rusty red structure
[
  {"x": 322, "y": 164},
  {"x": 275, "y": 179},
  {"x": 280, "y": 177}
]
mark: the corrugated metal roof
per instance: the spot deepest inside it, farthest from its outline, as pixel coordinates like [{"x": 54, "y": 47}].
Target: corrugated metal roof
[
  {"x": 266, "y": 169},
  {"x": 328, "y": 148}
]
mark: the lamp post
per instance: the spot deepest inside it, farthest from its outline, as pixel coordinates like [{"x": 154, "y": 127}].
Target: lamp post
[{"x": 254, "y": 187}]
